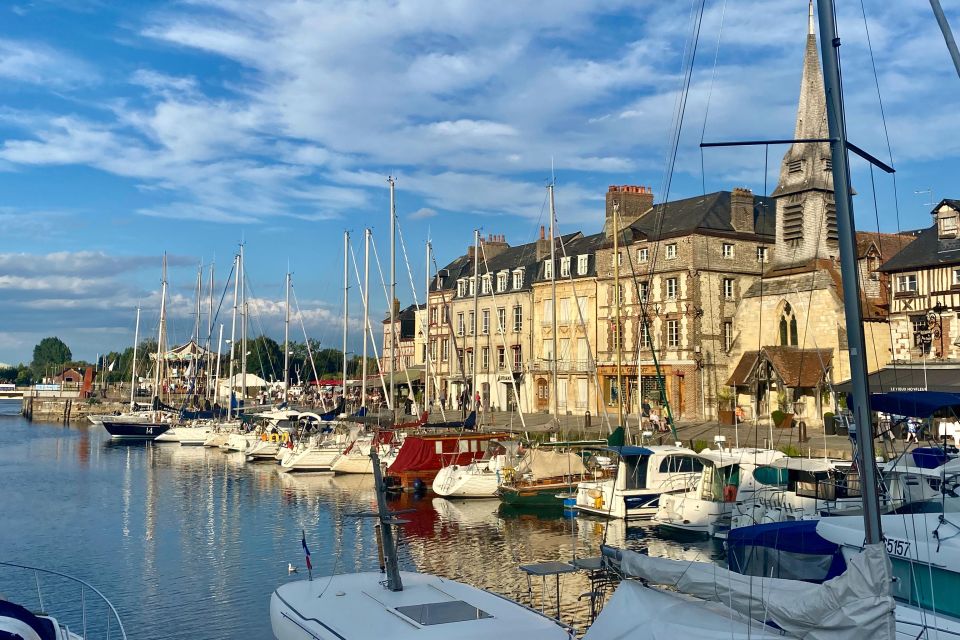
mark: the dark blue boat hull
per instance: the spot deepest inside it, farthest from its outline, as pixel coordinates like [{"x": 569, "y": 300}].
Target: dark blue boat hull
[{"x": 135, "y": 430}]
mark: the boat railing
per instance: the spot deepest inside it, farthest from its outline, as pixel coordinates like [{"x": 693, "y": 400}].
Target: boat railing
[{"x": 114, "y": 626}]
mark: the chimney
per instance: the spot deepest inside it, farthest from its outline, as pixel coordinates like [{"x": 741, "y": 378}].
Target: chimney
[
  {"x": 543, "y": 245},
  {"x": 634, "y": 201},
  {"x": 494, "y": 245},
  {"x": 741, "y": 210}
]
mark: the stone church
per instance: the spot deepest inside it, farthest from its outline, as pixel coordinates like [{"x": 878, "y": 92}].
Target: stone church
[{"x": 790, "y": 335}]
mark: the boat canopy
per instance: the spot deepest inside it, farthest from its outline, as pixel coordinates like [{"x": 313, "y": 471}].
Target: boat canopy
[
  {"x": 812, "y": 465},
  {"x": 432, "y": 453},
  {"x": 628, "y": 451},
  {"x": 855, "y": 605},
  {"x": 915, "y": 404},
  {"x": 542, "y": 463},
  {"x": 727, "y": 457}
]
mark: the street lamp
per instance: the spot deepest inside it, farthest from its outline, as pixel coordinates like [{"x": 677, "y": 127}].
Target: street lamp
[{"x": 935, "y": 324}]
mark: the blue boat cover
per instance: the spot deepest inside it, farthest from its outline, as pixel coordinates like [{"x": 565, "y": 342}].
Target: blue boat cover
[
  {"x": 928, "y": 457},
  {"x": 914, "y": 404},
  {"x": 790, "y": 549},
  {"x": 629, "y": 451}
]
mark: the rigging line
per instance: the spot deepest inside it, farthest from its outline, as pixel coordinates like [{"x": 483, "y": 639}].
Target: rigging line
[
  {"x": 306, "y": 341},
  {"x": 453, "y": 334},
  {"x": 368, "y": 335},
  {"x": 713, "y": 77},
  {"x": 258, "y": 319}
]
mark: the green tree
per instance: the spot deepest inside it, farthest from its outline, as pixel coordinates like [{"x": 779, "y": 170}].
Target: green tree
[
  {"x": 8, "y": 374},
  {"x": 265, "y": 358},
  {"x": 24, "y": 375},
  {"x": 50, "y": 351}
]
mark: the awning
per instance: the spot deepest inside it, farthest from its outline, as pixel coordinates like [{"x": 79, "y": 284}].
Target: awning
[
  {"x": 916, "y": 404},
  {"x": 910, "y": 378}
]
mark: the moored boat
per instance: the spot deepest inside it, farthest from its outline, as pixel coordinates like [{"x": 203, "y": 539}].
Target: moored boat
[{"x": 543, "y": 479}]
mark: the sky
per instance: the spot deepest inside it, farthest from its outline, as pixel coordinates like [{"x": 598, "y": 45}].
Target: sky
[{"x": 133, "y": 129}]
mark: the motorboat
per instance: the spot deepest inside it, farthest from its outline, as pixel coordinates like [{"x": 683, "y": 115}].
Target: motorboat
[
  {"x": 480, "y": 478},
  {"x": 422, "y": 456},
  {"x": 543, "y": 479},
  {"x": 316, "y": 453},
  {"x": 356, "y": 457},
  {"x": 628, "y": 481},
  {"x": 727, "y": 477}
]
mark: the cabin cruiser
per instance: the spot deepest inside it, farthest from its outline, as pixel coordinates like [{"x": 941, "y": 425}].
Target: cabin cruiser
[
  {"x": 356, "y": 457},
  {"x": 481, "y": 478},
  {"x": 422, "y": 456},
  {"x": 629, "y": 481},
  {"x": 727, "y": 477}
]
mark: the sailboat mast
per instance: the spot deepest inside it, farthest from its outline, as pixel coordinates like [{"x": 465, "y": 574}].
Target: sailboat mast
[
  {"x": 233, "y": 332},
  {"x": 846, "y": 231},
  {"x": 553, "y": 319},
  {"x": 194, "y": 363},
  {"x": 133, "y": 363},
  {"x": 366, "y": 316},
  {"x": 163, "y": 320},
  {"x": 210, "y": 336},
  {"x": 476, "y": 306},
  {"x": 216, "y": 375},
  {"x": 393, "y": 297},
  {"x": 244, "y": 309},
  {"x": 617, "y": 338},
  {"x": 346, "y": 309},
  {"x": 427, "y": 393},
  {"x": 286, "y": 342}
]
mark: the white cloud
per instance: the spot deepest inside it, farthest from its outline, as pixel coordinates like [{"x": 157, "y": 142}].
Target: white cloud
[
  {"x": 39, "y": 64},
  {"x": 423, "y": 213}
]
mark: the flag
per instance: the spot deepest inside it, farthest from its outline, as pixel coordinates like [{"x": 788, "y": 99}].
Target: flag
[
  {"x": 306, "y": 551},
  {"x": 112, "y": 365}
]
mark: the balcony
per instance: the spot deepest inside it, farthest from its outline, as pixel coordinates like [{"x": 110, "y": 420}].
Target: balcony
[{"x": 563, "y": 366}]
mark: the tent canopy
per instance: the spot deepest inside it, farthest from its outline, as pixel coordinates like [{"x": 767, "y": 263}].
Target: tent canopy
[
  {"x": 253, "y": 380},
  {"x": 915, "y": 404}
]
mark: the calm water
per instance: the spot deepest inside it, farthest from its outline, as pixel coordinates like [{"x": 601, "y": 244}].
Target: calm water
[{"x": 190, "y": 542}]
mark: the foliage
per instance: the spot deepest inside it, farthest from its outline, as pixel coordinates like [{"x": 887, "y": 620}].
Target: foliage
[
  {"x": 778, "y": 417},
  {"x": 700, "y": 445},
  {"x": 24, "y": 376},
  {"x": 50, "y": 351},
  {"x": 791, "y": 451},
  {"x": 8, "y": 374},
  {"x": 725, "y": 398},
  {"x": 782, "y": 399}
]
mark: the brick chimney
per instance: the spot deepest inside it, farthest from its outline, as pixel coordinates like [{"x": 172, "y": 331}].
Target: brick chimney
[
  {"x": 634, "y": 201},
  {"x": 543, "y": 245},
  {"x": 494, "y": 245},
  {"x": 741, "y": 210}
]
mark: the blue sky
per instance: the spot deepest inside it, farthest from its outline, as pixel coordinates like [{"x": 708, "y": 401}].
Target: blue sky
[{"x": 136, "y": 128}]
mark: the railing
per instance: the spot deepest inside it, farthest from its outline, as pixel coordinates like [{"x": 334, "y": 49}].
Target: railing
[
  {"x": 563, "y": 366},
  {"x": 112, "y": 618}
]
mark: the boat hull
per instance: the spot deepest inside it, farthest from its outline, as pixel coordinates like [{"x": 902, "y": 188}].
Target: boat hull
[
  {"x": 135, "y": 430},
  {"x": 469, "y": 481},
  {"x": 545, "y": 496}
]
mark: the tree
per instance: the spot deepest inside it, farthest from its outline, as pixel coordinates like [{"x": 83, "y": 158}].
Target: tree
[
  {"x": 24, "y": 376},
  {"x": 8, "y": 374},
  {"x": 50, "y": 351},
  {"x": 265, "y": 358}
]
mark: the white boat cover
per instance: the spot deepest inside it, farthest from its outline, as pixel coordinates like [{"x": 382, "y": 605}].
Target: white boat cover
[
  {"x": 855, "y": 605},
  {"x": 673, "y": 616},
  {"x": 543, "y": 463}
]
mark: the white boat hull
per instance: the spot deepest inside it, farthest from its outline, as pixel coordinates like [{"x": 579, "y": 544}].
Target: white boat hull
[{"x": 467, "y": 481}]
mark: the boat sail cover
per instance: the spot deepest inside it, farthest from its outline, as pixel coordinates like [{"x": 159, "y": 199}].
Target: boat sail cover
[
  {"x": 541, "y": 463},
  {"x": 855, "y": 605}
]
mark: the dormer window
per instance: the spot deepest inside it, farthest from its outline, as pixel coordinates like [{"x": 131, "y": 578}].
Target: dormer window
[
  {"x": 947, "y": 223},
  {"x": 473, "y": 286},
  {"x": 565, "y": 267},
  {"x": 461, "y": 288},
  {"x": 502, "y": 281},
  {"x": 518, "y": 279},
  {"x": 548, "y": 268},
  {"x": 485, "y": 284},
  {"x": 582, "y": 265}
]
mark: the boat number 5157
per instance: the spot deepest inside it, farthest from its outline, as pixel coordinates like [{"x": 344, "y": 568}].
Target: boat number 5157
[{"x": 897, "y": 547}]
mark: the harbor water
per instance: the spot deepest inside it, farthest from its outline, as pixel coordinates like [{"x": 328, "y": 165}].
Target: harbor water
[{"x": 189, "y": 542}]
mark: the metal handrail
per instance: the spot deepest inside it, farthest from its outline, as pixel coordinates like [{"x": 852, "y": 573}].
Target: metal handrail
[{"x": 83, "y": 583}]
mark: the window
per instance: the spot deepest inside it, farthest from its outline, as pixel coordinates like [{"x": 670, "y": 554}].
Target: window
[
  {"x": 727, "y": 335},
  {"x": 460, "y": 324},
  {"x": 762, "y": 255},
  {"x": 644, "y": 334},
  {"x": 461, "y": 288},
  {"x": 956, "y": 277},
  {"x": 643, "y": 287},
  {"x": 617, "y": 336},
  {"x": 547, "y": 313},
  {"x": 548, "y": 268},
  {"x": 618, "y": 294},
  {"x": 518, "y": 319},
  {"x": 501, "y": 281},
  {"x": 562, "y": 395},
  {"x": 501, "y": 319},
  {"x": 460, "y": 358},
  {"x": 643, "y": 254},
  {"x": 728, "y": 288},
  {"x": 565, "y": 267},
  {"x": 518, "y": 279},
  {"x": 581, "y": 309},
  {"x": 582, "y": 265},
  {"x": 948, "y": 226},
  {"x": 788, "y": 327},
  {"x": 616, "y": 259},
  {"x": 485, "y": 322},
  {"x": 501, "y": 358},
  {"x": 921, "y": 335},
  {"x": 671, "y": 251},
  {"x": 445, "y": 350},
  {"x": 472, "y": 327},
  {"x": 485, "y": 358},
  {"x": 907, "y": 283},
  {"x": 434, "y": 315},
  {"x": 671, "y": 288},
  {"x": 565, "y": 310},
  {"x": 485, "y": 285},
  {"x": 517, "y": 357},
  {"x": 473, "y": 286},
  {"x": 470, "y": 360},
  {"x": 673, "y": 333},
  {"x": 547, "y": 350},
  {"x": 727, "y": 250}
]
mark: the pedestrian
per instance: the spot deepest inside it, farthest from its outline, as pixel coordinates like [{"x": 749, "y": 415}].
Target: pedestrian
[
  {"x": 912, "y": 431},
  {"x": 654, "y": 421},
  {"x": 477, "y": 401}
]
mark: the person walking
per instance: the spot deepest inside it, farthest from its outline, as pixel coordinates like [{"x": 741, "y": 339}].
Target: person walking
[{"x": 912, "y": 431}]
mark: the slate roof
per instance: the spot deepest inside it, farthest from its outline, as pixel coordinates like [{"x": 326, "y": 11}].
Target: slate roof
[
  {"x": 888, "y": 244},
  {"x": 924, "y": 252},
  {"x": 582, "y": 245},
  {"x": 798, "y": 368},
  {"x": 710, "y": 213}
]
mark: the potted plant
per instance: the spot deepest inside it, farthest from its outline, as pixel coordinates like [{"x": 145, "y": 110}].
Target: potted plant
[
  {"x": 725, "y": 410},
  {"x": 782, "y": 420},
  {"x": 829, "y": 423}
]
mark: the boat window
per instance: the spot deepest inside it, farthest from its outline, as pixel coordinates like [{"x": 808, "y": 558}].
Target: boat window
[
  {"x": 716, "y": 480},
  {"x": 770, "y": 476},
  {"x": 924, "y": 585},
  {"x": 439, "y": 446},
  {"x": 464, "y": 445},
  {"x": 636, "y": 470},
  {"x": 442, "y": 612},
  {"x": 807, "y": 484},
  {"x": 680, "y": 464},
  {"x": 848, "y": 484}
]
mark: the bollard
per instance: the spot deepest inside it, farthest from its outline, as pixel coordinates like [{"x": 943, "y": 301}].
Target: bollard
[{"x": 802, "y": 432}]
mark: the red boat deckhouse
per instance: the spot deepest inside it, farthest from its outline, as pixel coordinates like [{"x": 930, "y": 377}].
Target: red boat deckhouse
[{"x": 422, "y": 456}]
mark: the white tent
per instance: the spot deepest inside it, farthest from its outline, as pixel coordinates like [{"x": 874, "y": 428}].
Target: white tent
[{"x": 253, "y": 382}]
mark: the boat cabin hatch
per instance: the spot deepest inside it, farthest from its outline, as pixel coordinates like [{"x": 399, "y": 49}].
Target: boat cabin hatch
[{"x": 433, "y": 613}]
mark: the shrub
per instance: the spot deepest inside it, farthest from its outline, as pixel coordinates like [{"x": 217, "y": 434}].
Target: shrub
[
  {"x": 778, "y": 417},
  {"x": 791, "y": 451}
]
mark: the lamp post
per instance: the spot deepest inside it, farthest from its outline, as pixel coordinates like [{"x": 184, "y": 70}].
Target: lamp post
[{"x": 935, "y": 324}]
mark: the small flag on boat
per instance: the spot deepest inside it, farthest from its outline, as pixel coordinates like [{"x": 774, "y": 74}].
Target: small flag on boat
[{"x": 306, "y": 551}]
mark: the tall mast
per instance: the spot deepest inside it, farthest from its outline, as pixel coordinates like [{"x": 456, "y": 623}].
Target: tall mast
[
  {"x": 476, "y": 305},
  {"x": 216, "y": 375},
  {"x": 196, "y": 328},
  {"x": 233, "y": 332},
  {"x": 133, "y": 364},
  {"x": 286, "y": 341},
  {"x": 346, "y": 309},
  {"x": 616, "y": 302},
  {"x": 427, "y": 392},
  {"x": 553, "y": 287},
  {"x": 244, "y": 309},
  {"x": 366, "y": 315},
  {"x": 163, "y": 320},
  {"x": 393, "y": 298},
  {"x": 849, "y": 272},
  {"x": 210, "y": 336}
]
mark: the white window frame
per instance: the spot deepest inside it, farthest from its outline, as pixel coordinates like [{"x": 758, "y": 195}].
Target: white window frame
[
  {"x": 583, "y": 264},
  {"x": 517, "y": 318},
  {"x": 727, "y": 251},
  {"x": 673, "y": 334},
  {"x": 461, "y": 288},
  {"x": 518, "y": 279},
  {"x": 763, "y": 255},
  {"x": 728, "y": 288},
  {"x": 461, "y": 324},
  {"x": 565, "y": 267},
  {"x": 501, "y": 319},
  {"x": 727, "y": 335},
  {"x": 502, "y": 278},
  {"x": 907, "y": 279},
  {"x": 643, "y": 254},
  {"x": 644, "y": 288},
  {"x": 485, "y": 285},
  {"x": 671, "y": 283},
  {"x": 485, "y": 322},
  {"x": 670, "y": 251},
  {"x": 485, "y": 358},
  {"x": 548, "y": 268},
  {"x": 956, "y": 277}
]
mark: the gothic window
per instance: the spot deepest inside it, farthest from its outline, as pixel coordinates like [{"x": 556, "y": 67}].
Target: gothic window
[{"x": 788, "y": 326}]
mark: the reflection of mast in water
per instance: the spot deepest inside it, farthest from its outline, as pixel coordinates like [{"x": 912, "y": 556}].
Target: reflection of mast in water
[
  {"x": 125, "y": 515},
  {"x": 149, "y": 521},
  {"x": 83, "y": 449}
]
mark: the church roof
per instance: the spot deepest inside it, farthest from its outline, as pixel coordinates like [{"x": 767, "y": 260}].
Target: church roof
[
  {"x": 710, "y": 212},
  {"x": 796, "y": 367},
  {"x": 924, "y": 252}
]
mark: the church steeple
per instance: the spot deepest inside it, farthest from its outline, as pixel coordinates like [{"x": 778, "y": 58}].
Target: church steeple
[{"x": 806, "y": 220}]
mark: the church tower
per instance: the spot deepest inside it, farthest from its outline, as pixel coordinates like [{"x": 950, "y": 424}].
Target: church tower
[{"x": 806, "y": 213}]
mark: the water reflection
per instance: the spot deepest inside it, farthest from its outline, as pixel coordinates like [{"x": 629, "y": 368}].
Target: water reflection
[{"x": 190, "y": 542}]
